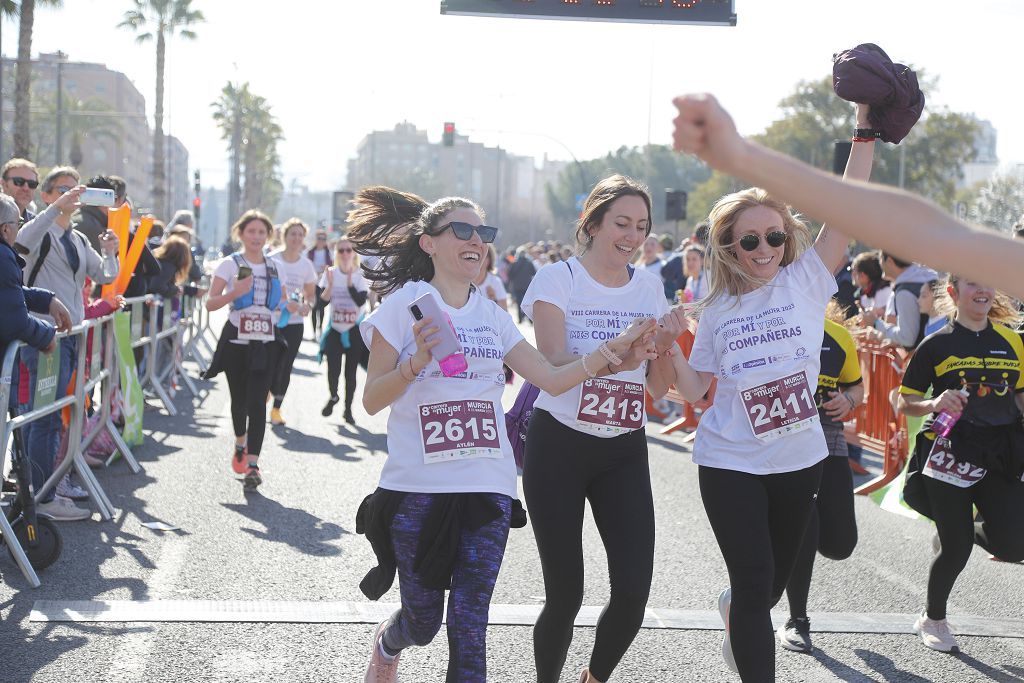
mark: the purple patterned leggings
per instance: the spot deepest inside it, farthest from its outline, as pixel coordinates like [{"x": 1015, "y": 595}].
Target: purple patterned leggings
[{"x": 476, "y": 569}]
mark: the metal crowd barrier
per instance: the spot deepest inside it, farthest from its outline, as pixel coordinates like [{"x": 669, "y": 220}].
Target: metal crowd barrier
[
  {"x": 75, "y": 401},
  {"x": 104, "y": 365}
]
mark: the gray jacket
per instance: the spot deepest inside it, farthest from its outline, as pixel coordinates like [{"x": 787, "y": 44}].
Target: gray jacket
[{"x": 55, "y": 274}]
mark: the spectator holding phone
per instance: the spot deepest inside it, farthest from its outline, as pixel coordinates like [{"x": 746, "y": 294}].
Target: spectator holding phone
[
  {"x": 59, "y": 258},
  {"x": 455, "y": 503}
]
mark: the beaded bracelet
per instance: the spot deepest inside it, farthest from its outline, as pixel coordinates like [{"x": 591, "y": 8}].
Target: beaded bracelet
[{"x": 609, "y": 355}]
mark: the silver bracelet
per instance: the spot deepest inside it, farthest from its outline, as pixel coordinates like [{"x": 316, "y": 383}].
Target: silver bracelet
[{"x": 583, "y": 362}]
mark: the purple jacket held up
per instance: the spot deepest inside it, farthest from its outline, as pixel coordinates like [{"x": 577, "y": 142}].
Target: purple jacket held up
[{"x": 865, "y": 74}]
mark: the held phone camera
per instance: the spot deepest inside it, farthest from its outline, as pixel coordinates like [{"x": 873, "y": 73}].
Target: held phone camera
[
  {"x": 448, "y": 352},
  {"x": 244, "y": 272},
  {"x": 95, "y": 196}
]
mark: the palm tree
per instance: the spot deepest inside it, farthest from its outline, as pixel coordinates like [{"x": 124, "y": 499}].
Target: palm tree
[
  {"x": 160, "y": 19},
  {"x": 23, "y": 79},
  {"x": 252, "y": 133}
]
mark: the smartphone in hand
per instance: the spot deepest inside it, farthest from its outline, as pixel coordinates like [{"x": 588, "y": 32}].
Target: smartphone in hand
[
  {"x": 448, "y": 352},
  {"x": 244, "y": 272}
]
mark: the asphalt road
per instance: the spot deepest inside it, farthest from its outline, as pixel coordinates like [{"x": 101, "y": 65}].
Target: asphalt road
[{"x": 295, "y": 541}]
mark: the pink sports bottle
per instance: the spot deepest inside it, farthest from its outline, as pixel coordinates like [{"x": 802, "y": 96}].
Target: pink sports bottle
[{"x": 945, "y": 421}]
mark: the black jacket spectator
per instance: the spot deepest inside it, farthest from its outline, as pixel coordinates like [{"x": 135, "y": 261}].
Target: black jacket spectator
[{"x": 16, "y": 301}]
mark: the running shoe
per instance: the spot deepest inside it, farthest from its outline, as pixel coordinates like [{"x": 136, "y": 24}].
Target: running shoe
[
  {"x": 252, "y": 478},
  {"x": 795, "y": 634},
  {"x": 69, "y": 489},
  {"x": 379, "y": 670},
  {"x": 348, "y": 417},
  {"x": 239, "y": 459},
  {"x": 329, "y": 408},
  {"x": 724, "y": 602},
  {"x": 275, "y": 417},
  {"x": 935, "y": 634},
  {"x": 61, "y": 509},
  {"x": 858, "y": 469}
]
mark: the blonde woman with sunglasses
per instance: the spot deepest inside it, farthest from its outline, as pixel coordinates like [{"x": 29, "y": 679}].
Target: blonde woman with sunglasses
[{"x": 760, "y": 447}]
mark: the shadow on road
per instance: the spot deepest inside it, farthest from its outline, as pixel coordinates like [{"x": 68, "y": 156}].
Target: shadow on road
[
  {"x": 888, "y": 669},
  {"x": 297, "y": 442},
  {"x": 296, "y": 528},
  {"x": 1008, "y": 676},
  {"x": 841, "y": 671}
]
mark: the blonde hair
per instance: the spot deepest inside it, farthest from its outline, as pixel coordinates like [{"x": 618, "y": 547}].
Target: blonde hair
[
  {"x": 1004, "y": 310},
  {"x": 726, "y": 276},
  {"x": 179, "y": 253},
  {"x": 355, "y": 255}
]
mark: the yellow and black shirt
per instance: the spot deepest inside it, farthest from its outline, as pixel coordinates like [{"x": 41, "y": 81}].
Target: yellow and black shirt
[
  {"x": 986, "y": 363},
  {"x": 840, "y": 367}
]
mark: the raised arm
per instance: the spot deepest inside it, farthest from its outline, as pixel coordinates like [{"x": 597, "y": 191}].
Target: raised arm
[
  {"x": 891, "y": 219},
  {"x": 832, "y": 241}
]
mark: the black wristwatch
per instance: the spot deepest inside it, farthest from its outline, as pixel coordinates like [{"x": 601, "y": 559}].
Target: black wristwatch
[{"x": 861, "y": 133}]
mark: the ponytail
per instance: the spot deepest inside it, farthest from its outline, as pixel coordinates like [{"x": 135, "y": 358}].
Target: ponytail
[{"x": 387, "y": 223}]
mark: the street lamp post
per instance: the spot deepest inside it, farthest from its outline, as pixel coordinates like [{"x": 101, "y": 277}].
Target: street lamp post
[{"x": 59, "y": 152}]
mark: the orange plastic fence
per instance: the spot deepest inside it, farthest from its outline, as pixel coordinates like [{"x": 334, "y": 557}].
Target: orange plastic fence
[{"x": 875, "y": 425}]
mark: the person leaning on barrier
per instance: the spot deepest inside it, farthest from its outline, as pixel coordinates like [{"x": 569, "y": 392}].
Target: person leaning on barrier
[
  {"x": 17, "y": 300},
  {"x": 59, "y": 258}
]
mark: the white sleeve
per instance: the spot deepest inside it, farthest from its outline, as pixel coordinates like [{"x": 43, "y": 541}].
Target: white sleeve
[
  {"x": 310, "y": 275},
  {"x": 323, "y": 280},
  {"x": 360, "y": 282},
  {"x": 882, "y": 297},
  {"x": 510, "y": 334},
  {"x": 226, "y": 270},
  {"x": 392, "y": 321},
  {"x": 702, "y": 356},
  {"x": 810, "y": 275},
  {"x": 552, "y": 284}
]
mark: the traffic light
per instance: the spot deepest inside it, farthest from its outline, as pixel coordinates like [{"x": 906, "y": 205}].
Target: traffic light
[
  {"x": 675, "y": 205},
  {"x": 197, "y": 202},
  {"x": 449, "y": 134}
]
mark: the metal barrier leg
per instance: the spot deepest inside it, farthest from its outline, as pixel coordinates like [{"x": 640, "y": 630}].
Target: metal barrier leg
[
  {"x": 92, "y": 485},
  {"x": 123, "y": 447},
  {"x": 19, "y": 553}
]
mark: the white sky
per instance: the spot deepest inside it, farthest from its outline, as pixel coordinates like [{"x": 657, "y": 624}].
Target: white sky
[{"x": 334, "y": 70}]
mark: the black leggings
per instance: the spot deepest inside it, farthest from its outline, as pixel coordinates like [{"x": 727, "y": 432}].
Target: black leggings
[
  {"x": 249, "y": 389},
  {"x": 283, "y": 374},
  {"x": 564, "y": 468},
  {"x": 831, "y": 531},
  {"x": 355, "y": 355},
  {"x": 1001, "y": 503},
  {"x": 760, "y": 522},
  {"x": 317, "y": 314}
]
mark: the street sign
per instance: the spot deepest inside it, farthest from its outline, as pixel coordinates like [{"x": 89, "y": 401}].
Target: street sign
[{"x": 706, "y": 12}]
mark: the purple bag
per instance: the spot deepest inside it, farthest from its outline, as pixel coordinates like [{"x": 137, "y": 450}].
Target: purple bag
[{"x": 517, "y": 421}]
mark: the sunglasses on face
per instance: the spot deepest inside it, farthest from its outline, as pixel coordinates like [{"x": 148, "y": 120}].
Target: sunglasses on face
[
  {"x": 345, "y": 250},
  {"x": 776, "y": 238},
  {"x": 22, "y": 182},
  {"x": 64, "y": 188},
  {"x": 321, "y": 239},
  {"x": 464, "y": 231}
]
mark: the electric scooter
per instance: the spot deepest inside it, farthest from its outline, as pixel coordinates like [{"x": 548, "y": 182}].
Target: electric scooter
[{"x": 37, "y": 534}]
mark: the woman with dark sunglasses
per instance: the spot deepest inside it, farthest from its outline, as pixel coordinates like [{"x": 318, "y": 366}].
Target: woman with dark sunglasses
[
  {"x": 760, "y": 448},
  {"x": 345, "y": 287},
  {"x": 589, "y": 443},
  {"x": 442, "y": 512}
]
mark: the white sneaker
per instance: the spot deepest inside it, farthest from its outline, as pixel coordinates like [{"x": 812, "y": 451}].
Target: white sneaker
[
  {"x": 935, "y": 634},
  {"x": 61, "y": 509},
  {"x": 67, "y": 489},
  {"x": 724, "y": 603}
]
